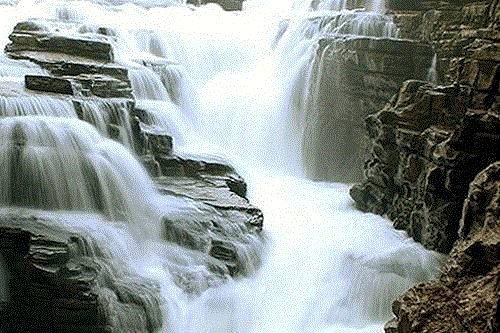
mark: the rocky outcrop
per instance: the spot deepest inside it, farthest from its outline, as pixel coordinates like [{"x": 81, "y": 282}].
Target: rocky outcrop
[
  {"x": 353, "y": 77},
  {"x": 79, "y": 64},
  {"x": 465, "y": 298},
  {"x": 229, "y": 5},
  {"x": 427, "y": 146},
  {"x": 433, "y": 166},
  {"x": 430, "y": 141},
  {"x": 32, "y": 37},
  {"x": 222, "y": 224},
  {"x": 61, "y": 279}
]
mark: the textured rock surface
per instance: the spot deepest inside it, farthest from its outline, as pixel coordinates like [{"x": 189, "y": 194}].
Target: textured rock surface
[
  {"x": 79, "y": 64},
  {"x": 229, "y": 5},
  {"x": 37, "y": 37},
  {"x": 465, "y": 297},
  {"x": 61, "y": 280},
  {"x": 353, "y": 77},
  {"x": 427, "y": 146},
  {"x": 223, "y": 224},
  {"x": 430, "y": 142}
]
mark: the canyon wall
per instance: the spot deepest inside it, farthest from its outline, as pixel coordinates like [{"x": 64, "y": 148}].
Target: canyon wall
[
  {"x": 353, "y": 77},
  {"x": 432, "y": 166}
]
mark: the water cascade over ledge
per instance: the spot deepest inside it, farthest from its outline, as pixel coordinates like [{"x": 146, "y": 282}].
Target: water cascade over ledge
[{"x": 237, "y": 87}]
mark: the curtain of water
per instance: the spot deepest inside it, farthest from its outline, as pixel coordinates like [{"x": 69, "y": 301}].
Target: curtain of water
[{"x": 328, "y": 267}]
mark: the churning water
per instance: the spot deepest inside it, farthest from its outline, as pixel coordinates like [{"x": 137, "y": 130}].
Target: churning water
[{"x": 236, "y": 85}]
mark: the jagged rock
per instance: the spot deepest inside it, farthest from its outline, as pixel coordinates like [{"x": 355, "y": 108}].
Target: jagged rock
[
  {"x": 220, "y": 223},
  {"x": 61, "y": 279},
  {"x": 427, "y": 146},
  {"x": 353, "y": 78},
  {"x": 465, "y": 297}
]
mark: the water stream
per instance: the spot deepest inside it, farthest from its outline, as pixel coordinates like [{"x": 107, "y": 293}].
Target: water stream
[{"x": 236, "y": 86}]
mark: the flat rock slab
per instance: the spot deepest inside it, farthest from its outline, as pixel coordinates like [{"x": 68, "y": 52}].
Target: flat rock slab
[
  {"x": 26, "y": 36},
  {"x": 211, "y": 191},
  {"x": 82, "y": 85}
]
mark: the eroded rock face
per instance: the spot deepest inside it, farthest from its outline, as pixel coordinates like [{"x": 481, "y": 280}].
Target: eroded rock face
[
  {"x": 223, "y": 224},
  {"x": 61, "y": 279},
  {"x": 353, "y": 78},
  {"x": 37, "y": 37},
  {"x": 430, "y": 142},
  {"x": 465, "y": 297},
  {"x": 79, "y": 64},
  {"x": 427, "y": 146},
  {"x": 229, "y": 5}
]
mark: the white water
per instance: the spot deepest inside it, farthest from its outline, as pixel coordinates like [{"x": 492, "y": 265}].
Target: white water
[{"x": 327, "y": 267}]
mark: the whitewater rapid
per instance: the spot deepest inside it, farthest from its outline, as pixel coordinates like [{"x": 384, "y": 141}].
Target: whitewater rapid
[{"x": 327, "y": 267}]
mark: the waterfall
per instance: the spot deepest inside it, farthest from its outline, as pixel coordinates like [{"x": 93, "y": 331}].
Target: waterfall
[
  {"x": 432, "y": 75},
  {"x": 147, "y": 85},
  {"x": 64, "y": 164},
  {"x": 224, "y": 84}
]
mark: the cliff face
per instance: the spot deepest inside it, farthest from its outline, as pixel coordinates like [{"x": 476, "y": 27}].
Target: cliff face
[
  {"x": 430, "y": 141},
  {"x": 353, "y": 77},
  {"x": 465, "y": 297},
  {"x": 426, "y": 147}
]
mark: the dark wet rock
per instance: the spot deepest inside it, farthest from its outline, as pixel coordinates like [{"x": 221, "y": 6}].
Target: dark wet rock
[
  {"x": 427, "y": 146},
  {"x": 465, "y": 297},
  {"x": 353, "y": 78},
  {"x": 48, "y": 84},
  {"x": 82, "y": 84},
  {"x": 348, "y": 4},
  {"x": 157, "y": 140},
  {"x": 33, "y": 36},
  {"x": 78, "y": 64},
  {"x": 229, "y": 5},
  {"x": 219, "y": 223},
  {"x": 62, "y": 280}
]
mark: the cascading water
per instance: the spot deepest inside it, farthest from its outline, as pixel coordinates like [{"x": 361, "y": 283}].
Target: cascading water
[
  {"x": 64, "y": 164},
  {"x": 328, "y": 267}
]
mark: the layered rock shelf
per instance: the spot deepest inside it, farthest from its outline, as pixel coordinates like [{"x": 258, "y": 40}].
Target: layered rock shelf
[
  {"x": 465, "y": 297},
  {"x": 64, "y": 279},
  {"x": 433, "y": 165},
  {"x": 61, "y": 279}
]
